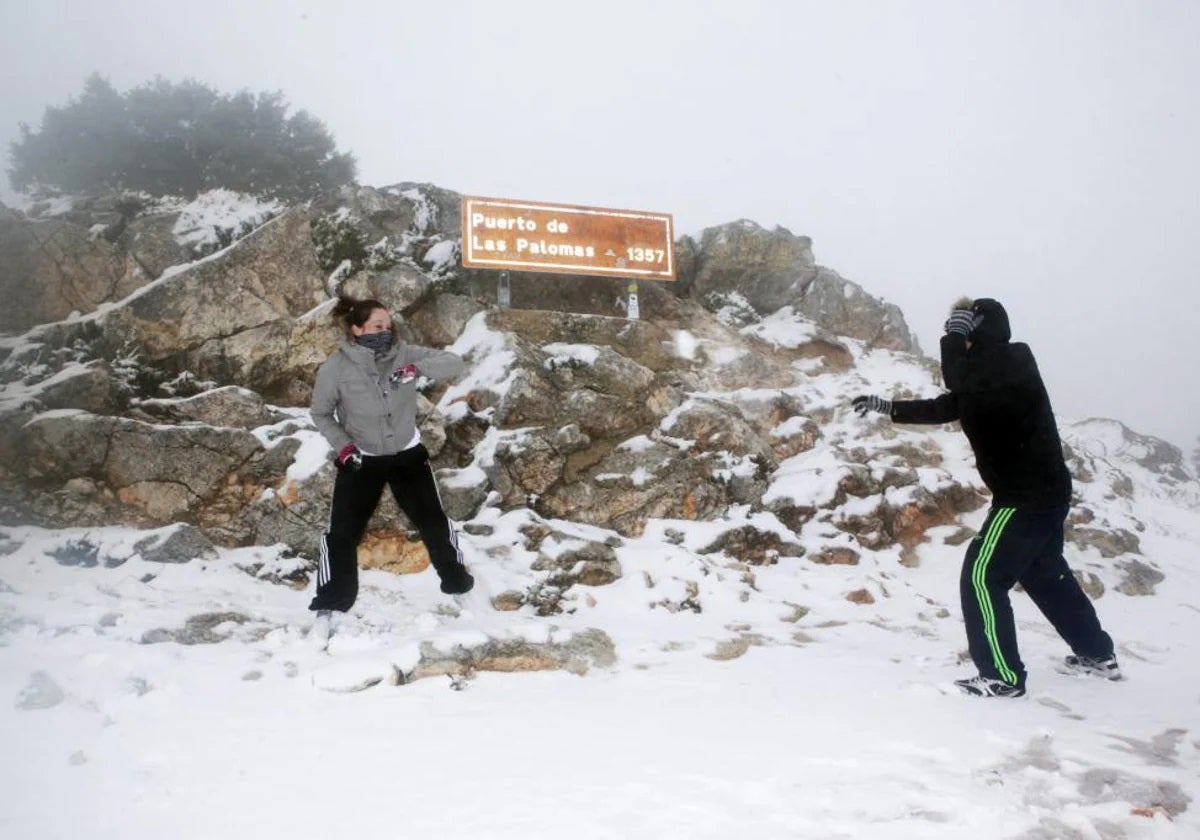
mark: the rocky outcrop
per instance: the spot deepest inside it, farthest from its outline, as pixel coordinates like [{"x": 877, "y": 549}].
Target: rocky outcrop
[
  {"x": 89, "y": 469},
  {"x": 634, "y": 484},
  {"x": 1101, "y": 440},
  {"x": 237, "y": 316},
  {"x": 398, "y": 213},
  {"x": 75, "y": 254},
  {"x": 49, "y": 269},
  {"x": 769, "y": 270}
]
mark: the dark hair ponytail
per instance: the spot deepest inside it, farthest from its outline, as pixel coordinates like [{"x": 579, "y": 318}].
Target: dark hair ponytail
[{"x": 349, "y": 312}]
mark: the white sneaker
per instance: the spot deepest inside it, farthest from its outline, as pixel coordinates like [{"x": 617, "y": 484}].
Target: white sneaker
[{"x": 1107, "y": 668}]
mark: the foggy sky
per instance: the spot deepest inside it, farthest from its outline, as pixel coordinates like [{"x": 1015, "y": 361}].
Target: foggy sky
[{"x": 1042, "y": 153}]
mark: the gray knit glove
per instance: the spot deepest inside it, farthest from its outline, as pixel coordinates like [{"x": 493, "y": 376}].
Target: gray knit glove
[
  {"x": 863, "y": 405},
  {"x": 963, "y": 322}
]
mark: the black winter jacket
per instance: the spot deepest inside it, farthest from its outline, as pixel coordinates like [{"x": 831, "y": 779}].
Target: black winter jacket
[{"x": 996, "y": 392}]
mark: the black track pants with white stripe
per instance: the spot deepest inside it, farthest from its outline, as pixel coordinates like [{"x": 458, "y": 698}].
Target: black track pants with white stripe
[
  {"x": 1023, "y": 546},
  {"x": 356, "y": 494}
]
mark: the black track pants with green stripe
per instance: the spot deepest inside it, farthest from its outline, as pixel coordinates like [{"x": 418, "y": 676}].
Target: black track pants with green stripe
[{"x": 1018, "y": 545}]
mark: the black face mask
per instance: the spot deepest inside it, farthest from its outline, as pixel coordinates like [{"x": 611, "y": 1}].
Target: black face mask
[{"x": 379, "y": 342}]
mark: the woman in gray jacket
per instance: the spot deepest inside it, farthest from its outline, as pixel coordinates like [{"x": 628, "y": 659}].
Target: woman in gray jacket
[{"x": 365, "y": 404}]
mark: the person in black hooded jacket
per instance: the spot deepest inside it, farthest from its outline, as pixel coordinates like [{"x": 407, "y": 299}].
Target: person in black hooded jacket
[{"x": 997, "y": 394}]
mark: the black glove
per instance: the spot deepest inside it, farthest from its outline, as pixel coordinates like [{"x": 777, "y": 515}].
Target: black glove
[
  {"x": 962, "y": 321},
  {"x": 862, "y": 405}
]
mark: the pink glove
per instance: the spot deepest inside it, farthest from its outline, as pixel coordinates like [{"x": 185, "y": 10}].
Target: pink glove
[
  {"x": 349, "y": 455},
  {"x": 404, "y": 375}
]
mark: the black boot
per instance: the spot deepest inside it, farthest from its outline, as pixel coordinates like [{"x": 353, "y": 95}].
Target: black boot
[{"x": 458, "y": 581}]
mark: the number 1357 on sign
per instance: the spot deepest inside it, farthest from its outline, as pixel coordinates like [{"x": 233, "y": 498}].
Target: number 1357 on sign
[{"x": 646, "y": 255}]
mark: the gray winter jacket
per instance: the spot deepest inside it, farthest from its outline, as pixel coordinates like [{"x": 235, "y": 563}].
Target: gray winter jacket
[{"x": 355, "y": 401}]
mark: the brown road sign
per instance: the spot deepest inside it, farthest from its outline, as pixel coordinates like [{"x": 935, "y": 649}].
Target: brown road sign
[{"x": 566, "y": 239}]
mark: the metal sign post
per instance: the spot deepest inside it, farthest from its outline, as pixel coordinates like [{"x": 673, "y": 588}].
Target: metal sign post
[
  {"x": 631, "y": 310},
  {"x": 503, "y": 294}
]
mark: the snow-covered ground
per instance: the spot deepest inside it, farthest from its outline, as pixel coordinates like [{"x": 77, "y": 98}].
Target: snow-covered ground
[
  {"x": 836, "y": 723},
  {"x": 143, "y": 699}
]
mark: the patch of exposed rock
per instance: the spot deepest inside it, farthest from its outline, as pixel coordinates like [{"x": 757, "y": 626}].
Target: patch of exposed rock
[{"x": 576, "y": 654}]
